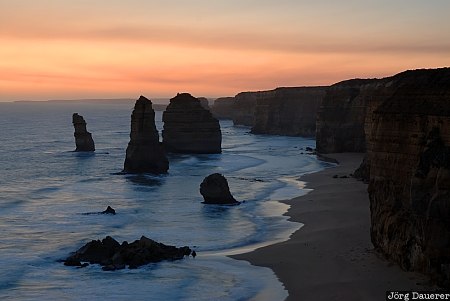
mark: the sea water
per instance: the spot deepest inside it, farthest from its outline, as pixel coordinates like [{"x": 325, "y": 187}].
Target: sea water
[{"x": 46, "y": 190}]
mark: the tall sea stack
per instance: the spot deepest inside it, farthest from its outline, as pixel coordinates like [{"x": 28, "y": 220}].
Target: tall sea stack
[
  {"x": 190, "y": 128},
  {"x": 83, "y": 139},
  {"x": 144, "y": 152}
]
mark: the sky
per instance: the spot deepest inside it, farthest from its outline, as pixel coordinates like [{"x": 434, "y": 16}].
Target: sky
[{"x": 72, "y": 49}]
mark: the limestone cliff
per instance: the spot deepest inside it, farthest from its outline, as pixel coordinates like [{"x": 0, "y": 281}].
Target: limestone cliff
[
  {"x": 288, "y": 111},
  {"x": 144, "y": 152},
  {"x": 83, "y": 139},
  {"x": 342, "y": 116},
  {"x": 204, "y": 102},
  {"x": 223, "y": 108},
  {"x": 244, "y": 108},
  {"x": 409, "y": 157},
  {"x": 189, "y": 127}
]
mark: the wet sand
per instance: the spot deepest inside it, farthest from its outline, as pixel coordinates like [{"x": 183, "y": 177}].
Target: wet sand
[{"x": 331, "y": 257}]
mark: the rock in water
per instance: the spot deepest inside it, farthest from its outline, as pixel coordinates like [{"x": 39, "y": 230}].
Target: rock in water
[
  {"x": 144, "y": 152},
  {"x": 215, "y": 190},
  {"x": 109, "y": 210},
  {"x": 190, "y": 128},
  {"x": 114, "y": 256},
  {"x": 83, "y": 139}
]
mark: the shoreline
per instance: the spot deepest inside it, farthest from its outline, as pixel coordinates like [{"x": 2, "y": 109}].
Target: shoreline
[{"x": 331, "y": 257}]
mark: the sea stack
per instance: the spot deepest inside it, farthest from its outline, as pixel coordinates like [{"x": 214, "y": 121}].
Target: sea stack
[
  {"x": 83, "y": 139},
  {"x": 215, "y": 190},
  {"x": 144, "y": 152},
  {"x": 190, "y": 128}
]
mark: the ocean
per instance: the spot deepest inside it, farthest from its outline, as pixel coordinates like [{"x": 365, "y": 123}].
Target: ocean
[{"x": 46, "y": 188}]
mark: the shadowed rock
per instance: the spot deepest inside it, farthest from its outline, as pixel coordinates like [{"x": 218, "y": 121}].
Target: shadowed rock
[
  {"x": 409, "y": 160},
  {"x": 83, "y": 139},
  {"x": 108, "y": 210},
  {"x": 287, "y": 111},
  {"x": 215, "y": 190},
  {"x": 190, "y": 128},
  {"x": 144, "y": 152},
  {"x": 223, "y": 108},
  {"x": 363, "y": 171},
  {"x": 204, "y": 102},
  {"x": 114, "y": 256}
]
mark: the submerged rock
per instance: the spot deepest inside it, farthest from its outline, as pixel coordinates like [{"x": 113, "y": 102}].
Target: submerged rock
[
  {"x": 144, "y": 152},
  {"x": 109, "y": 210},
  {"x": 83, "y": 139},
  {"x": 114, "y": 256},
  {"x": 190, "y": 128},
  {"x": 215, "y": 190}
]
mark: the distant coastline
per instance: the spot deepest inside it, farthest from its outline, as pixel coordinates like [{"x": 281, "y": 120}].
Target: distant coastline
[
  {"x": 159, "y": 104},
  {"x": 84, "y": 100}
]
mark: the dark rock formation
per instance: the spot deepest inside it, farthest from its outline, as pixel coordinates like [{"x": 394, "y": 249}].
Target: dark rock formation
[
  {"x": 215, "y": 190},
  {"x": 113, "y": 256},
  {"x": 342, "y": 116},
  {"x": 144, "y": 152},
  {"x": 245, "y": 107},
  {"x": 83, "y": 139},
  {"x": 282, "y": 111},
  {"x": 109, "y": 210},
  {"x": 159, "y": 107},
  {"x": 409, "y": 157},
  {"x": 288, "y": 111},
  {"x": 223, "y": 108},
  {"x": 190, "y": 128},
  {"x": 204, "y": 102},
  {"x": 363, "y": 171}
]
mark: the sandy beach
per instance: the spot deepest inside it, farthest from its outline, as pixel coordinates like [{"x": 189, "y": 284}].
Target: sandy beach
[{"x": 331, "y": 257}]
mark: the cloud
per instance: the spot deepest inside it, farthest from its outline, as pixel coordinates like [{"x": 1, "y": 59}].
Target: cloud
[{"x": 227, "y": 37}]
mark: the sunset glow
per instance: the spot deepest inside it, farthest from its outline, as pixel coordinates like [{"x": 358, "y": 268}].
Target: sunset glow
[{"x": 112, "y": 49}]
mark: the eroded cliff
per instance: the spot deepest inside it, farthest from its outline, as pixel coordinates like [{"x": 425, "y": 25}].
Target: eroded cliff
[
  {"x": 341, "y": 117},
  {"x": 288, "y": 111},
  {"x": 409, "y": 158},
  {"x": 244, "y": 108},
  {"x": 223, "y": 108}
]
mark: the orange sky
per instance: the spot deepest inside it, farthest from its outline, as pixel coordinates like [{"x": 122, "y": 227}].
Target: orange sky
[{"x": 66, "y": 49}]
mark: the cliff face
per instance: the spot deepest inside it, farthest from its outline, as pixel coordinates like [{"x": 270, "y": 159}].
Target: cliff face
[
  {"x": 341, "y": 117},
  {"x": 244, "y": 108},
  {"x": 223, "y": 108},
  {"x": 409, "y": 158},
  {"x": 144, "y": 152},
  {"x": 204, "y": 102},
  {"x": 189, "y": 127},
  {"x": 288, "y": 111},
  {"x": 83, "y": 139}
]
